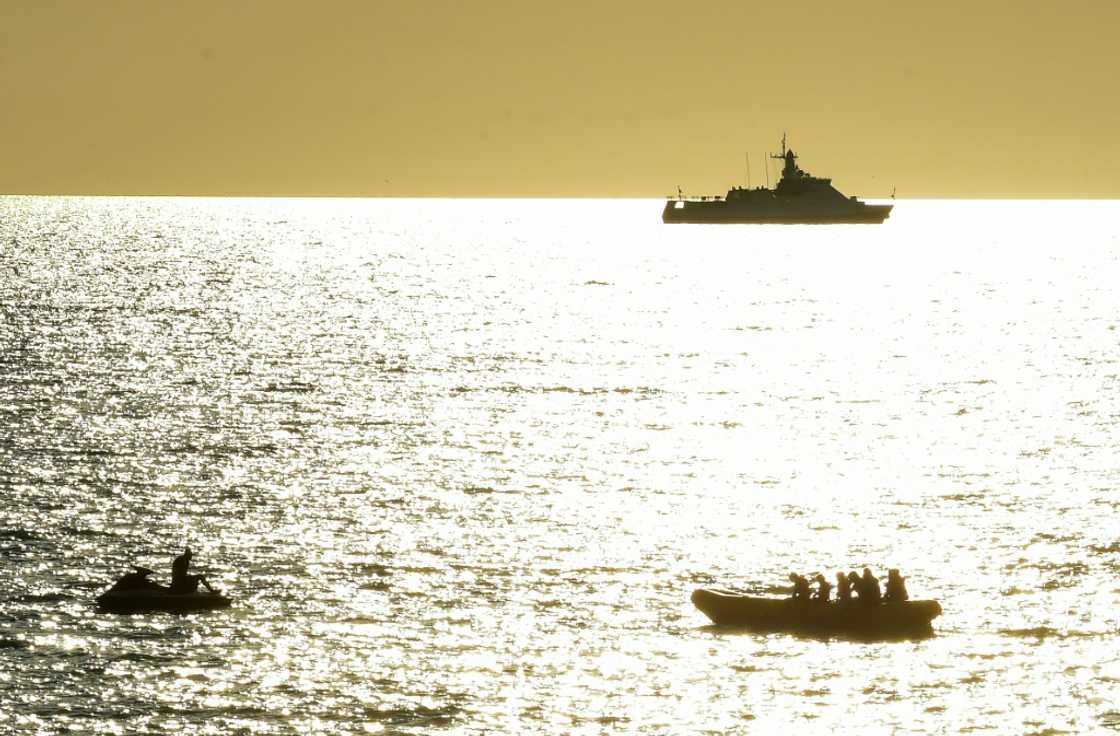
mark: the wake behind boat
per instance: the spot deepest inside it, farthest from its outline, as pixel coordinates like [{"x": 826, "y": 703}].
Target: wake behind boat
[{"x": 896, "y": 619}]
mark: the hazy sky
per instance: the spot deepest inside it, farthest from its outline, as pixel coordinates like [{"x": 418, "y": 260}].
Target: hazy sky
[{"x": 482, "y": 97}]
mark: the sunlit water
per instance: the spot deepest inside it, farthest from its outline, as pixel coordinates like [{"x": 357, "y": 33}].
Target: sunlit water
[{"x": 460, "y": 464}]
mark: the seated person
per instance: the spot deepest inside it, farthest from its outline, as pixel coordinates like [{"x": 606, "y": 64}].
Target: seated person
[
  {"x": 801, "y": 590},
  {"x": 823, "y": 589},
  {"x": 181, "y": 581},
  {"x": 855, "y": 582},
  {"x": 870, "y": 592},
  {"x": 896, "y": 587},
  {"x": 843, "y": 587}
]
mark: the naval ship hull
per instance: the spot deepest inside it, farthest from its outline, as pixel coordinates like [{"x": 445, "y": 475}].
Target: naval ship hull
[{"x": 731, "y": 213}]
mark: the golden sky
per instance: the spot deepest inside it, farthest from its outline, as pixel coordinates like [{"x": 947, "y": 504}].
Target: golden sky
[{"x": 495, "y": 98}]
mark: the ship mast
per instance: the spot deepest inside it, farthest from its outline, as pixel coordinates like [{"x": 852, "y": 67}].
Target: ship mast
[
  {"x": 782, "y": 156},
  {"x": 789, "y": 157}
]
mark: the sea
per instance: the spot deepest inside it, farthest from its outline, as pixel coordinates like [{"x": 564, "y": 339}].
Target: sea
[{"x": 460, "y": 464}]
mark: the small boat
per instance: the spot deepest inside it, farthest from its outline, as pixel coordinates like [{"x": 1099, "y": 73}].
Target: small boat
[
  {"x": 135, "y": 593},
  {"x": 891, "y": 620}
]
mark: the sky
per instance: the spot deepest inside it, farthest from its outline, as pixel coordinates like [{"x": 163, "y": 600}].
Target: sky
[{"x": 575, "y": 99}]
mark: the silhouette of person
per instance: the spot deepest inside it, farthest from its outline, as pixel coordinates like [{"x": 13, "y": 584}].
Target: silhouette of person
[
  {"x": 801, "y": 590},
  {"x": 870, "y": 592},
  {"x": 181, "y": 580},
  {"x": 855, "y": 582},
  {"x": 824, "y": 588},
  {"x": 896, "y": 587},
  {"x": 843, "y": 587}
]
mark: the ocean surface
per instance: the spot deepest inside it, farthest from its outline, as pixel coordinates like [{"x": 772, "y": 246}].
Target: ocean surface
[{"x": 460, "y": 464}]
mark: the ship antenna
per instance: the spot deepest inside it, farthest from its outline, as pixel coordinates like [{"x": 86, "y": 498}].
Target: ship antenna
[
  {"x": 783, "y": 144},
  {"x": 748, "y": 155},
  {"x": 766, "y": 165}
]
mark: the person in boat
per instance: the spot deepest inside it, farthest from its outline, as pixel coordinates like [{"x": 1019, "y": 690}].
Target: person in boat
[
  {"x": 801, "y": 591},
  {"x": 870, "y": 593},
  {"x": 181, "y": 579},
  {"x": 896, "y": 587},
  {"x": 824, "y": 588},
  {"x": 843, "y": 588},
  {"x": 855, "y": 584}
]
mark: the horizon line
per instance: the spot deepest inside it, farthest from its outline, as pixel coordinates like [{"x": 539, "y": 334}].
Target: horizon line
[{"x": 886, "y": 198}]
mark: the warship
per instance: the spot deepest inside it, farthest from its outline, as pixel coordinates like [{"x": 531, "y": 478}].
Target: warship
[{"x": 798, "y": 199}]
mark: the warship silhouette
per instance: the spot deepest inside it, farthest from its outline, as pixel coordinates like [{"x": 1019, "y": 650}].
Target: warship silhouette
[{"x": 798, "y": 199}]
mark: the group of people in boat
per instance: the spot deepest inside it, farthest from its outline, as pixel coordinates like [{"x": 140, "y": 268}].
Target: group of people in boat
[{"x": 864, "y": 587}]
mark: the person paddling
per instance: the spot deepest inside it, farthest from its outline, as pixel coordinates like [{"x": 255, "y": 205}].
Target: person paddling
[{"x": 181, "y": 580}]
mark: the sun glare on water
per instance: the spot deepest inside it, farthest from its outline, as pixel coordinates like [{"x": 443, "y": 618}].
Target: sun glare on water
[{"x": 461, "y": 463}]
